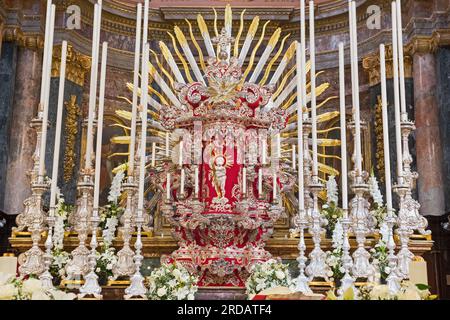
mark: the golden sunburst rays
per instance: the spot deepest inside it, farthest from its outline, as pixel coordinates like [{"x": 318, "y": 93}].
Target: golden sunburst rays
[{"x": 183, "y": 59}]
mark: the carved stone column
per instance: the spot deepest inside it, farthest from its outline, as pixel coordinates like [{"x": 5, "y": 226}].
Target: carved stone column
[
  {"x": 428, "y": 139},
  {"x": 21, "y": 135}
]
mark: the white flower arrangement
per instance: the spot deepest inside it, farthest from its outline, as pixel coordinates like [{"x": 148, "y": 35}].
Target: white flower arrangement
[
  {"x": 332, "y": 190},
  {"x": 116, "y": 186},
  {"x": 375, "y": 192},
  {"x": 106, "y": 259},
  {"x": 12, "y": 288},
  {"x": 59, "y": 261},
  {"x": 171, "y": 282},
  {"x": 61, "y": 221},
  {"x": 109, "y": 232},
  {"x": 269, "y": 274}
]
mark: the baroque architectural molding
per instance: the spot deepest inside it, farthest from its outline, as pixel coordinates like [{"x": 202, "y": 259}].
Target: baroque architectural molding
[
  {"x": 30, "y": 41},
  {"x": 77, "y": 65}
]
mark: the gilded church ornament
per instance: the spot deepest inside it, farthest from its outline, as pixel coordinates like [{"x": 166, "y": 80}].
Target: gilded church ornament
[
  {"x": 379, "y": 154},
  {"x": 73, "y": 113}
]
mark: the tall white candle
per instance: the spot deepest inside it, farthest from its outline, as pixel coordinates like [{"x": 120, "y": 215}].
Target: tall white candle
[
  {"x": 168, "y": 186},
  {"x": 46, "y": 91},
  {"x": 301, "y": 101},
  {"x": 387, "y": 162},
  {"x": 401, "y": 61},
  {"x": 181, "y": 154},
  {"x": 355, "y": 88},
  {"x": 137, "y": 56},
  {"x": 167, "y": 143},
  {"x": 93, "y": 84},
  {"x": 101, "y": 106},
  {"x": 398, "y": 135},
  {"x": 244, "y": 180},
  {"x": 153, "y": 154},
  {"x": 145, "y": 31},
  {"x": 145, "y": 73},
  {"x": 182, "y": 181},
  {"x": 196, "y": 181},
  {"x": 302, "y": 59},
  {"x": 260, "y": 182},
  {"x": 59, "y": 115},
  {"x": 312, "y": 50},
  {"x": 45, "y": 52},
  {"x": 294, "y": 156},
  {"x": 343, "y": 128}
]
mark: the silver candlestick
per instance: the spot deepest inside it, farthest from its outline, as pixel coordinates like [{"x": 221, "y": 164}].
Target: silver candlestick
[
  {"x": 91, "y": 286},
  {"x": 317, "y": 267},
  {"x": 78, "y": 265},
  {"x": 125, "y": 265},
  {"x": 137, "y": 288},
  {"x": 362, "y": 224},
  {"x": 46, "y": 277},
  {"x": 301, "y": 223},
  {"x": 393, "y": 279},
  {"x": 347, "y": 280}
]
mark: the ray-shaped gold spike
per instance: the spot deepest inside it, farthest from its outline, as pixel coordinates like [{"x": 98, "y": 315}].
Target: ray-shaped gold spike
[
  {"x": 327, "y": 169},
  {"x": 255, "y": 49},
  {"x": 188, "y": 53},
  {"x": 152, "y": 101},
  {"x": 121, "y": 140},
  {"x": 286, "y": 92},
  {"x": 239, "y": 34},
  {"x": 289, "y": 54},
  {"x": 328, "y": 142},
  {"x": 120, "y": 126},
  {"x": 289, "y": 101},
  {"x": 327, "y": 116},
  {"x": 183, "y": 61},
  {"x": 118, "y": 154},
  {"x": 248, "y": 40},
  {"x": 326, "y": 101},
  {"x": 126, "y": 99},
  {"x": 328, "y": 130},
  {"x": 228, "y": 23},
  {"x": 123, "y": 114},
  {"x": 121, "y": 167},
  {"x": 328, "y": 156},
  {"x": 163, "y": 85},
  {"x": 283, "y": 83},
  {"x": 272, "y": 61},
  {"x": 197, "y": 46},
  {"x": 171, "y": 61},
  {"x": 216, "y": 30},
  {"x": 266, "y": 54},
  {"x": 161, "y": 67},
  {"x": 205, "y": 34}
]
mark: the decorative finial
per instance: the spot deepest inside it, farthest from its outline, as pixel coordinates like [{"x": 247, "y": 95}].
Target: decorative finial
[{"x": 223, "y": 40}]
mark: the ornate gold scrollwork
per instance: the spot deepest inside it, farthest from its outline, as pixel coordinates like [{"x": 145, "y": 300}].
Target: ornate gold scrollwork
[{"x": 71, "y": 131}]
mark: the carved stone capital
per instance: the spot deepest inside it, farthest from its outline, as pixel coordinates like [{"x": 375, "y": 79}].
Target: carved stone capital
[
  {"x": 424, "y": 44},
  {"x": 371, "y": 65},
  {"x": 77, "y": 65}
]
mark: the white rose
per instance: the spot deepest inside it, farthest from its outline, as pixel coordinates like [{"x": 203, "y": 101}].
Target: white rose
[
  {"x": 30, "y": 286},
  {"x": 191, "y": 296},
  {"x": 280, "y": 274},
  {"x": 8, "y": 291},
  {"x": 161, "y": 292}
]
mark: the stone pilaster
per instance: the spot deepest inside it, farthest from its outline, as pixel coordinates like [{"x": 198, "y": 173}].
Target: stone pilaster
[
  {"x": 21, "y": 135},
  {"x": 428, "y": 139}
]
